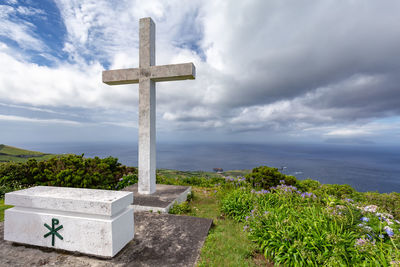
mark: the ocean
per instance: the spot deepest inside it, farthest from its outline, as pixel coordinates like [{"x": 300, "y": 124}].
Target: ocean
[{"x": 365, "y": 168}]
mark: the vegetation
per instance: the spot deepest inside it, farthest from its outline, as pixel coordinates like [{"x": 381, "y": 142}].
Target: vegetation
[
  {"x": 197, "y": 178},
  {"x": 314, "y": 224},
  {"x": 2, "y": 209},
  {"x": 226, "y": 243},
  {"x": 13, "y": 154},
  {"x": 67, "y": 170},
  {"x": 261, "y": 217}
]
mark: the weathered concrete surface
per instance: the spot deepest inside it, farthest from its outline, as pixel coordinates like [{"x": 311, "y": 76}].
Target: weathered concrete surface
[
  {"x": 162, "y": 200},
  {"x": 160, "y": 240},
  {"x": 146, "y": 75},
  {"x": 68, "y": 199},
  {"x": 78, "y": 214}
]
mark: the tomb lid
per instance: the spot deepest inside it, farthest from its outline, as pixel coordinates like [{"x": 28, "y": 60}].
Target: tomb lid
[{"x": 88, "y": 201}]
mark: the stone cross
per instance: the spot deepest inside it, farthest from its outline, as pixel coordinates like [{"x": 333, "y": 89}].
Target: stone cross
[{"x": 146, "y": 75}]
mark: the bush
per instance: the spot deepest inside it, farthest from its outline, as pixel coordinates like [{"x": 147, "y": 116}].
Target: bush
[
  {"x": 127, "y": 181},
  {"x": 267, "y": 177},
  {"x": 68, "y": 171},
  {"x": 181, "y": 208},
  {"x": 389, "y": 202}
]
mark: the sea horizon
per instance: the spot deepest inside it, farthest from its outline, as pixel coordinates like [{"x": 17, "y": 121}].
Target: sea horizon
[{"x": 364, "y": 167}]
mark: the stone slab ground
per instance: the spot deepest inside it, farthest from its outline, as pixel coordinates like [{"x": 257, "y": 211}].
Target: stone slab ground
[
  {"x": 162, "y": 200},
  {"x": 160, "y": 240}
]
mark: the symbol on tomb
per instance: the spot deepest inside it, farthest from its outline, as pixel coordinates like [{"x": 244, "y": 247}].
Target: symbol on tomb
[{"x": 53, "y": 230}]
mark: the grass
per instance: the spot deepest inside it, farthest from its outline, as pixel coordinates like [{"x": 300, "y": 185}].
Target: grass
[
  {"x": 236, "y": 173},
  {"x": 185, "y": 174},
  {"x": 2, "y": 209},
  {"x": 226, "y": 244},
  {"x": 14, "y": 154}
]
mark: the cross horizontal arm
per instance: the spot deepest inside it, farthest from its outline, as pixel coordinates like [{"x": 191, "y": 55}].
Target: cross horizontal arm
[
  {"x": 171, "y": 72},
  {"x": 161, "y": 73},
  {"x": 122, "y": 76}
]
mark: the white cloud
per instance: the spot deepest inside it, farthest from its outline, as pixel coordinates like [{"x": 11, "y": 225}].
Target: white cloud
[
  {"x": 19, "y": 30},
  {"x": 36, "y": 120}
]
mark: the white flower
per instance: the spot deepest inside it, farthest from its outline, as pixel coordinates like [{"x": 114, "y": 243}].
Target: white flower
[{"x": 371, "y": 208}]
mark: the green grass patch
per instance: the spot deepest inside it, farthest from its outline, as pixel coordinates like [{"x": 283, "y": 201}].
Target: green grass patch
[
  {"x": 185, "y": 174},
  {"x": 226, "y": 244},
  {"x": 2, "y": 209},
  {"x": 18, "y": 155}
]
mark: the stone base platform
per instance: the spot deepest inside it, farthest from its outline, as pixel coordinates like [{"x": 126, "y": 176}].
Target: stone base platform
[
  {"x": 160, "y": 240},
  {"x": 160, "y": 201}
]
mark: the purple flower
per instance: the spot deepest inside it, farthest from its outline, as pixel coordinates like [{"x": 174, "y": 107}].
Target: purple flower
[
  {"x": 389, "y": 231},
  {"x": 245, "y": 228},
  {"x": 364, "y": 219},
  {"x": 247, "y": 217},
  {"x": 349, "y": 200},
  {"x": 361, "y": 242}
]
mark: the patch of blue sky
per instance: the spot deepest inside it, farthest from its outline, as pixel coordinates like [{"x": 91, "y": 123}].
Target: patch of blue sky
[
  {"x": 393, "y": 119},
  {"x": 190, "y": 35},
  {"x": 47, "y": 27}
]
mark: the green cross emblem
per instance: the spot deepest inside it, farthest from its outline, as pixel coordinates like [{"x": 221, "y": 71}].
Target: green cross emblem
[{"x": 53, "y": 231}]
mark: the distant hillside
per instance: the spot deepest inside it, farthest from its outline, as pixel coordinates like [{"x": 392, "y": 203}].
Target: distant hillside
[{"x": 14, "y": 154}]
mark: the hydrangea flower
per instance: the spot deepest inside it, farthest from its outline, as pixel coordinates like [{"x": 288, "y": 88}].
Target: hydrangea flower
[
  {"x": 371, "y": 208},
  {"x": 361, "y": 242},
  {"x": 389, "y": 231}
]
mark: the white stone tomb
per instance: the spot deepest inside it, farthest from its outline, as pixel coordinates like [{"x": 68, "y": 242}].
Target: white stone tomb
[{"x": 96, "y": 222}]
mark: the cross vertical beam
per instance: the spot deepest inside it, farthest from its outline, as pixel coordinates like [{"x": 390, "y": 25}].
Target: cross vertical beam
[
  {"x": 147, "y": 108},
  {"x": 147, "y": 75}
]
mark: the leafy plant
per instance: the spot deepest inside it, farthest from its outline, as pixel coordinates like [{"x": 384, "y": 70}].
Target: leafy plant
[
  {"x": 299, "y": 228},
  {"x": 181, "y": 208}
]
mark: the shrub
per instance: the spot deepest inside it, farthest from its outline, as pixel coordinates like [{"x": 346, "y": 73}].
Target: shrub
[
  {"x": 267, "y": 177},
  {"x": 127, "y": 181},
  {"x": 308, "y": 185},
  {"x": 68, "y": 170}
]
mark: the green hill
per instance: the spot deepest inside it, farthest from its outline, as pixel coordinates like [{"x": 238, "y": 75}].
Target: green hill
[{"x": 14, "y": 154}]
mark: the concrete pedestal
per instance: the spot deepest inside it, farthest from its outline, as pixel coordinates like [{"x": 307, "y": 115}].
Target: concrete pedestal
[
  {"x": 162, "y": 200},
  {"x": 96, "y": 222}
]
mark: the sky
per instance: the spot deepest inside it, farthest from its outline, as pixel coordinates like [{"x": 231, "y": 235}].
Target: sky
[{"x": 266, "y": 71}]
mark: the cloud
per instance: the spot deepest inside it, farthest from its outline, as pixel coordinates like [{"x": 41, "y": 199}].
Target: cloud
[
  {"x": 305, "y": 69},
  {"x": 19, "y": 30},
  {"x": 36, "y": 120}
]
